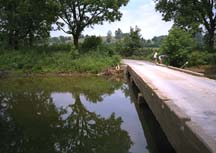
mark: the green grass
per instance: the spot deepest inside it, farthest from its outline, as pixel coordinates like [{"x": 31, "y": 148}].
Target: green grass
[{"x": 58, "y": 60}]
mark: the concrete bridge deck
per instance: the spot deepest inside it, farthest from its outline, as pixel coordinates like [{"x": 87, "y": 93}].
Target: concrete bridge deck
[{"x": 179, "y": 97}]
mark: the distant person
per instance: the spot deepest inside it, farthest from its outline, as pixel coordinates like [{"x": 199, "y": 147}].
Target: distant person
[
  {"x": 155, "y": 56},
  {"x": 161, "y": 58}
]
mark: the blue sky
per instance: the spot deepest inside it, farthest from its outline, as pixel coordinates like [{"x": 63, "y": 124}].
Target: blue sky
[{"x": 138, "y": 12}]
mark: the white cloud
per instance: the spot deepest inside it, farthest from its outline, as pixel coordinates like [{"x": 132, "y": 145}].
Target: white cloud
[{"x": 144, "y": 16}]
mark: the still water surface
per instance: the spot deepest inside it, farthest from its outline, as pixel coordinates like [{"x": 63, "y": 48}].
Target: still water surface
[{"x": 75, "y": 115}]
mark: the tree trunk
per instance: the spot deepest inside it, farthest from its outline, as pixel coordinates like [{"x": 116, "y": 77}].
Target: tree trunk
[
  {"x": 31, "y": 37},
  {"x": 76, "y": 41},
  {"x": 16, "y": 44},
  {"x": 211, "y": 39},
  {"x": 13, "y": 42}
]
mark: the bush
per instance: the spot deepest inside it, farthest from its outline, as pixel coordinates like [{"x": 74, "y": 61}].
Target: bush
[
  {"x": 211, "y": 58},
  {"x": 106, "y": 49},
  {"x": 91, "y": 43},
  {"x": 198, "y": 58},
  {"x": 177, "y": 45}
]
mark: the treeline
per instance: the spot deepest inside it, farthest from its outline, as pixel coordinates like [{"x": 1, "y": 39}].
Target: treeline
[{"x": 155, "y": 42}]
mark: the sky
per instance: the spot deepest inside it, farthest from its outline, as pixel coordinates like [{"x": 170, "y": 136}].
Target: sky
[{"x": 139, "y": 13}]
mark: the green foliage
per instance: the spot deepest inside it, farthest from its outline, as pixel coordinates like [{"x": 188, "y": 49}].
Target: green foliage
[
  {"x": 177, "y": 45},
  {"x": 198, "y": 58},
  {"x": 154, "y": 42},
  {"x": 91, "y": 43},
  {"x": 131, "y": 42},
  {"x": 95, "y": 63},
  {"x": 118, "y": 34},
  {"x": 211, "y": 58},
  {"x": 144, "y": 54},
  {"x": 95, "y": 44},
  {"x": 26, "y": 21},
  {"x": 191, "y": 14},
  {"x": 106, "y": 49},
  {"x": 119, "y": 47},
  {"x": 109, "y": 37},
  {"x": 58, "y": 58},
  {"x": 81, "y": 14}
]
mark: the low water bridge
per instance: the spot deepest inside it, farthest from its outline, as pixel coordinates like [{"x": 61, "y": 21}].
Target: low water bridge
[{"x": 183, "y": 104}]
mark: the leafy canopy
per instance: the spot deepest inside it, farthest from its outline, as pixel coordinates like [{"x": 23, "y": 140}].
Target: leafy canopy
[
  {"x": 79, "y": 14},
  {"x": 132, "y": 42},
  {"x": 24, "y": 21},
  {"x": 191, "y": 15}
]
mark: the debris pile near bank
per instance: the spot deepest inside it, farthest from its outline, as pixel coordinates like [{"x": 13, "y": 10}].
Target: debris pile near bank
[{"x": 113, "y": 71}]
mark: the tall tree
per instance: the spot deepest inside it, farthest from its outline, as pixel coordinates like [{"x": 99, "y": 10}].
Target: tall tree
[
  {"x": 191, "y": 14},
  {"x": 109, "y": 37},
  {"x": 118, "y": 34},
  {"x": 79, "y": 14},
  {"x": 132, "y": 42},
  {"x": 26, "y": 20}
]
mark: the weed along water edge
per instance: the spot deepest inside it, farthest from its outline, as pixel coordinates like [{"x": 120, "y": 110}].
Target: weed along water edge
[{"x": 72, "y": 114}]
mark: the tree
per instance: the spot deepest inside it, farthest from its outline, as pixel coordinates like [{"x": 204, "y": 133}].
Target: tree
[
  {"x": 79, "y": 14},
  {"x": 132, "y": 42},
  {"x": 118, "y": 34},
  {"x": 157, "y": 41},
  {"x": 177, "y": 45},
  {"x": 109, "y": 37},
  {"x": 199, "y": 38},
  {"x": 91, "y": 43},
  {"x": 191, "y": 14},
  {"x": 26, "y": 20}
]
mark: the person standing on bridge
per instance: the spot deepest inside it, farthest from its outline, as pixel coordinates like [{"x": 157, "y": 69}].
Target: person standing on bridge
[
  {"x": 155, "y": 56},
  {"x": 162, "y": 58}
]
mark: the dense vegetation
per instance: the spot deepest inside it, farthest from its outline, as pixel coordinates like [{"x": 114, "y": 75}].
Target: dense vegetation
[
  {"x": 24, "y": 22},
  {"x": 181, "y": 48},
  {"x": 56, "y": 58},
  {"x": 191, "y": 15}
]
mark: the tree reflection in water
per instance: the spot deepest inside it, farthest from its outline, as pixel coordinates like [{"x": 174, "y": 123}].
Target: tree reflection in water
[{"x": 30, "y": 121}]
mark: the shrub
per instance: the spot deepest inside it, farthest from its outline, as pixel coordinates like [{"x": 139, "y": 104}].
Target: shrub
[
  {"x": 177, "y": 45},
  {"x": 198, "y": 58},
  {"x": 91, "y": 43},
  {"x": 211, "y": 58},
  {"x": 106, "y": 49}
]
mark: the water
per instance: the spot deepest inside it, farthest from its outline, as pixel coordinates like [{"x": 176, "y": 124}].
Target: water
[{"x": 75, "y": 115}]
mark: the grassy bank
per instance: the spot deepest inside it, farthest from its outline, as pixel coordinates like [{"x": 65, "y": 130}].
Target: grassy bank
[{"x": 56, "y": 59}]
